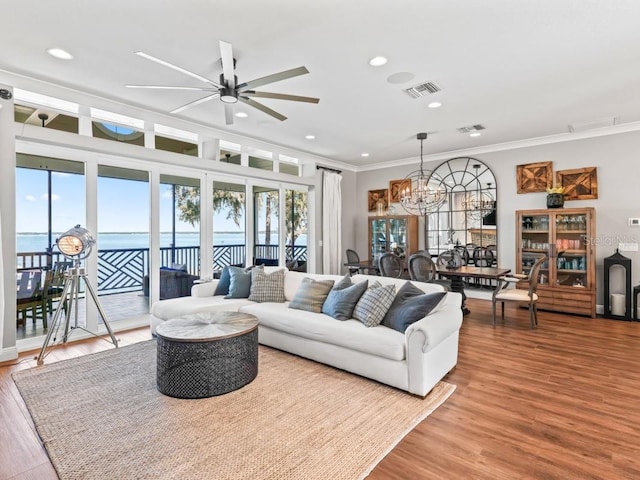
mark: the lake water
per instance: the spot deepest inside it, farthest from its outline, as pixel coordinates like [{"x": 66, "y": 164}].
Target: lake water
[{"x": 37, "y": 242}]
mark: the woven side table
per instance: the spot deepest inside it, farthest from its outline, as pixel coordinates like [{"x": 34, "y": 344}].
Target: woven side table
[{"x": 206, "y": 354}]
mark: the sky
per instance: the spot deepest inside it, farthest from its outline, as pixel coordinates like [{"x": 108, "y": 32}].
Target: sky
[{"x": 123, "y": 205}]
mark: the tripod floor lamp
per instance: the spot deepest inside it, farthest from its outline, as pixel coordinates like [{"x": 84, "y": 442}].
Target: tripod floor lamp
[{"x": 76, "y": 245}]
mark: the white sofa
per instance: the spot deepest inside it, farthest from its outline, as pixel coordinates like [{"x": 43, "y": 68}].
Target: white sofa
[{"x": 414, "y": 361}]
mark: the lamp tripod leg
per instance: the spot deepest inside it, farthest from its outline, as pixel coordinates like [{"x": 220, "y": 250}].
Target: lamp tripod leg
[
  {"x": 56, "y": 319},
  {"x": 99, "y": 306},
  {"x": 70, "y": 293},
  {"x": 73, "y": 303}
]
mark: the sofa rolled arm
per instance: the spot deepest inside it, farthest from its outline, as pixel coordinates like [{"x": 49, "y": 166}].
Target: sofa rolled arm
[
  {"x": 206, "y": 289},
  {"x": 437, "y": 326}
]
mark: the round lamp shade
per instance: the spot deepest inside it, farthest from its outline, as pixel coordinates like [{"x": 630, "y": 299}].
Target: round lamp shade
[{"x": 76, "y": 242}]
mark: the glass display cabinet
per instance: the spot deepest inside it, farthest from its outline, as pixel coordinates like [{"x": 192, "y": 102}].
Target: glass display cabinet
[
  {"x": 566, "y": 236},
  {"x": 393, "y": 233}
]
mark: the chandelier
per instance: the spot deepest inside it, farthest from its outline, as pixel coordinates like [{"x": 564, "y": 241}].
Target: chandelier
[
  {"x": 478, "y": 203},
  {"x": 418, "y": 196}
]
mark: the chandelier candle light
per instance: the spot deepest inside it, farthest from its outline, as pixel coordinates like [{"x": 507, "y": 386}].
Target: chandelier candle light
[
  {"x": 478, "y": 203},
  {"x": 421, "y": 198}
]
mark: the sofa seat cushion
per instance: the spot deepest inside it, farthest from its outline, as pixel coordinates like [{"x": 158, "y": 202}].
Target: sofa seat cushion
[
  {"x": 176, "y": 307},
  {"x": 352, "y": 334}
]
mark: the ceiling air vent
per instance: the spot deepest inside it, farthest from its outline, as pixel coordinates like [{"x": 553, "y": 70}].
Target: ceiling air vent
[
  {"x": 423, "y": 89},
  {"x": 472, "y": 128}
]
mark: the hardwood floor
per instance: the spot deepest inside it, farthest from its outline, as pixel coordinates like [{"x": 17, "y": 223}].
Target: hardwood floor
[{"x": 558, "y": 402}]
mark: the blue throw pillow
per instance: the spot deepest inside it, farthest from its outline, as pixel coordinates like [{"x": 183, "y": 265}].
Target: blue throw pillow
[
  {"x": 239, "y": 283},
  {"x": 343, "y": 298},
  {"x": 410, "y": 305},
  {"x": 222, "y": 288}
]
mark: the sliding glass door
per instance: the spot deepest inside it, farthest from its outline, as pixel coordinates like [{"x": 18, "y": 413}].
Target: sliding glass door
[
  {"x": 266, "y": 204},
  {"x": 229, "y": 231},
  {"x": 123, "y": 240},
  {"x": 50, "y": 199}
]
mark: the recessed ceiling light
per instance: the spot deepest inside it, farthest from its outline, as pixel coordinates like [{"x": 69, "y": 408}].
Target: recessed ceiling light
[
  {"x": 475, "y": 134},
  {"x": 400, "y": 77},
  {"x": 364, "y": 154},
  {"x": 309, "y": 137},
  {"x": 377, "y": 61},
  {"x": 241, "y": 115},
  {"x": 434, "y": 105},
  {"x": 60, "y": 53}
]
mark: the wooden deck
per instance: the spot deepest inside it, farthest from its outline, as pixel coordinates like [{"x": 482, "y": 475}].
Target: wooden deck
[{"x": 118, "y": 306}]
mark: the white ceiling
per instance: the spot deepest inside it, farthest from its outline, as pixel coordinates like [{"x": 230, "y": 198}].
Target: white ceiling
[{"x": 523, "y": 69}]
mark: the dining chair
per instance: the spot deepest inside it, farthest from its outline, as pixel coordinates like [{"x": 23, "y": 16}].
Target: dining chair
[
  {"x": 391, "y": 265},
  {"x": 53, "y": 288},
  {"x": 353, "y": 257},
  {"x": 29, "y": 297},
  {"x": 528, "y": 296},
  {"x": 482, "y": 257},
  {"x": 450, "y": 259},
  {"x": 423, "y": 269}
]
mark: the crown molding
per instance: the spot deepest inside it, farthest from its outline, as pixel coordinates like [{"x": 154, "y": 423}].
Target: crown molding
[{"x": 499, "y": 147}]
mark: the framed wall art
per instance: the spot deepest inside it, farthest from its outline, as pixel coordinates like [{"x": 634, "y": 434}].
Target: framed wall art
[
  {"x": 579, "y": 183},
  {"x": 396, "y": 187},
  {"x": 534, "y": 177},
  {"x": 376, "y": 195}
]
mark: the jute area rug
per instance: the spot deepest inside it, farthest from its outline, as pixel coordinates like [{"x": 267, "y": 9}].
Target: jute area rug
[{"x": 101, "y": 417}]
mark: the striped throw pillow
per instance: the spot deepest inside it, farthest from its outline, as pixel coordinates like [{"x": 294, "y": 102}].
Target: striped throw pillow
[
  {"x": 374, "y": 304},
  {"x": 311, "y": 295}
]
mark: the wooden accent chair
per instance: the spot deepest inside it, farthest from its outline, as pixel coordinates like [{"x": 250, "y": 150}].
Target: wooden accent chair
[{"x": 529, "y": 295}]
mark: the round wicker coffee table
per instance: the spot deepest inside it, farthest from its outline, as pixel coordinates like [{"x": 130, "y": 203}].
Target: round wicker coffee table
[{"x": 206, "y": 354}]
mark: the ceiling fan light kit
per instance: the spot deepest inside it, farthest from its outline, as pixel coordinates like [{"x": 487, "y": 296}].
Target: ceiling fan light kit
[{"x": 228, "y": 90}]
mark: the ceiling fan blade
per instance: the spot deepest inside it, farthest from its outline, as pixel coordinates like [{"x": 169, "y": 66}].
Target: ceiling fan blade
[
  {"x": 280, "y": 96},
  {"x": 195, "y": 102},
  {"x": 178, "y": 69},
  {"x": 262, "y": 108},
  {"x": 276, "y": 77},
  {"x": 226, "y": 52},
  {"x": 228, "y": 113},
  {"x": 170, "y": 87}
]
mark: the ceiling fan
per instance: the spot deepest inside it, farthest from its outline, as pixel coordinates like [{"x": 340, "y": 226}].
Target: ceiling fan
[{"x": 228, "y": 90}]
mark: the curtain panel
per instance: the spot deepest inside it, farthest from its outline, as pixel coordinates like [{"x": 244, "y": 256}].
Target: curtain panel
[{"x": 331, "y": 223}]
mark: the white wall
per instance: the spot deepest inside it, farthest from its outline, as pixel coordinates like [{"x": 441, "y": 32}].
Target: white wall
[{"x": 618, "y": 171}]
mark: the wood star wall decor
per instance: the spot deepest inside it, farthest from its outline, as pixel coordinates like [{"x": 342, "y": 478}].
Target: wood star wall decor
[
  {"x": 534, "y": 177},
  {"x": 579, "y": 183}
]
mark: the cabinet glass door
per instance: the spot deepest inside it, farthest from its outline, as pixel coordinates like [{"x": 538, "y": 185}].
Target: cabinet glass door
[
  {"x": 398, "y": 236},
  {"x": 379, "y": 238},
  {"x": 571, "y": 261},
  {"x": 535, "y": 244}
]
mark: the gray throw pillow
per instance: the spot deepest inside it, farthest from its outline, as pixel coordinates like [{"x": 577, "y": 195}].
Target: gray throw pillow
[
  {"x": 239, "y": 283},
  {"x": 374, "y": 304},
  {"x": 222, "y": 288},
  {"x": 410, "y": 305},
  {"x": 311, "y": 295},
  {"x": 341, "y": 301},
  {"x": 267, "y": 287}
]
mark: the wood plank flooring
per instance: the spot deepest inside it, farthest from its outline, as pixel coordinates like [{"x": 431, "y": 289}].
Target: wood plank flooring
[{"x": 558, "y": 402}]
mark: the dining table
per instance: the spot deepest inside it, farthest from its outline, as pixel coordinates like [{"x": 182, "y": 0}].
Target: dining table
[{"x": 458, "y": 274}]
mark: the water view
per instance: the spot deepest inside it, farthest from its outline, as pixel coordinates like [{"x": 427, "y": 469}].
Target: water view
[{"x": 37, "y": 242}]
